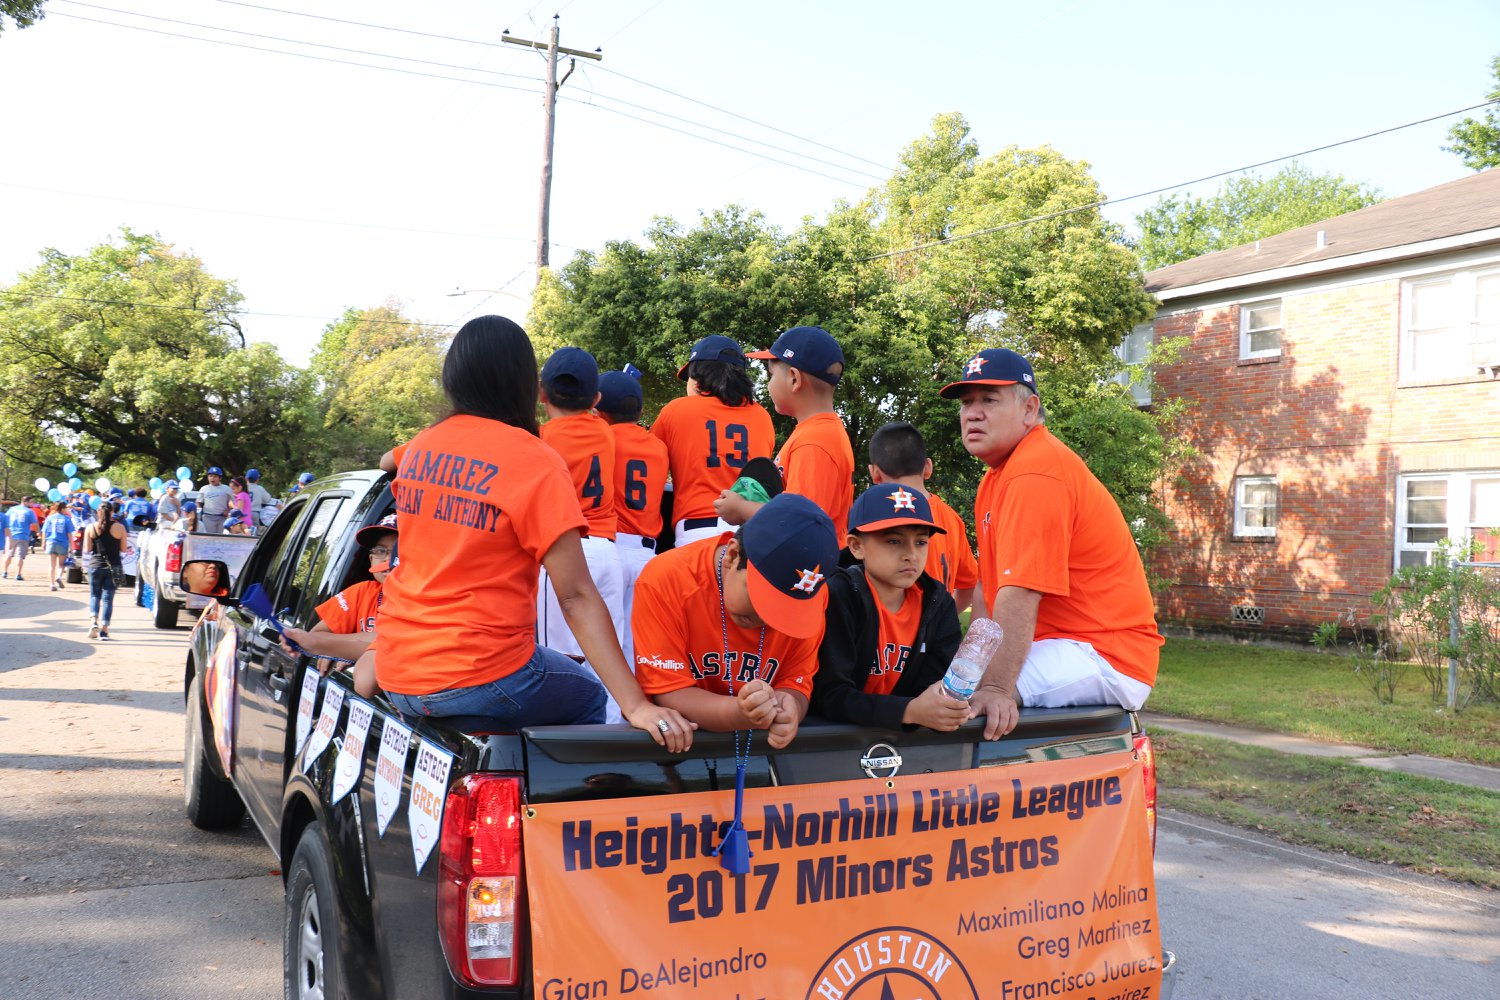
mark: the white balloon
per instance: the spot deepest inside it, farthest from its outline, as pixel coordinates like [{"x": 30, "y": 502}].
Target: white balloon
[
  {"x": 186, "y": 485},
  {"x": 102, "y": 484},
  {"x": 42, "y": 485},
  {"x": 156, "y": 494}
]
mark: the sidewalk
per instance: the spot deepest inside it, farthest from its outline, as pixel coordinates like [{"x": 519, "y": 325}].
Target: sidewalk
[{"x": 1473, "y": 775}]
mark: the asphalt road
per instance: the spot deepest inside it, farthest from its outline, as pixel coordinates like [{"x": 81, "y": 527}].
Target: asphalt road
[{"x": 107, "y": 892}]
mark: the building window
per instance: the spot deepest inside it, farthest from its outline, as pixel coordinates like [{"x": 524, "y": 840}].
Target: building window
[
  {"x": 1133, "y": 351},
  {"x": 1260, "y": 329},
  {"x": 1459, "y": 506},
  {"x": 1450, "y": 325},
  {"x": 1255, "y": 501}
]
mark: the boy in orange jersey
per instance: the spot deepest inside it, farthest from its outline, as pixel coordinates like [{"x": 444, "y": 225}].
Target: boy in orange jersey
[
  {"x": 710, "y": 434},
  {"x": 727, "y": 629},
  {"x": 640, "y": 478},
  {"x": 899, "y": 455},
  {"x": 817, "y": 461},
  {"x": 569, "y": 390},
  {"x": 892, "y": 629}
]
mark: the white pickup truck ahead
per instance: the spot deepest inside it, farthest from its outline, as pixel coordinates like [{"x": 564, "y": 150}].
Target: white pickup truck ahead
[{"x": 160, "y": 555}]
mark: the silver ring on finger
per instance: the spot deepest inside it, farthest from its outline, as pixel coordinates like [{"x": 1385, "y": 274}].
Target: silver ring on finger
[{"x": 663, "y": 726}]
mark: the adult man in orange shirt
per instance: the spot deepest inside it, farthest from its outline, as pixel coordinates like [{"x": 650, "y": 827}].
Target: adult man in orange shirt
[
  {"x": 640, "y": 478},
  {"x": 727, "y": 629},
  {"x": 569, "y": 390},
  {"x": 1058, "y": 567},
  {"x": 817, "y": 460}
]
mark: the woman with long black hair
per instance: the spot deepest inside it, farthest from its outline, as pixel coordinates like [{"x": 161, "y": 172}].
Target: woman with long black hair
[
  {"x": 103, "y": 542},
  {"x": 482, "y": 503}
]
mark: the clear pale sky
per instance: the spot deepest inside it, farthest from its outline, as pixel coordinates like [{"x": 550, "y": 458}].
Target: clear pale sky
[{"x": 276, "y": 170}]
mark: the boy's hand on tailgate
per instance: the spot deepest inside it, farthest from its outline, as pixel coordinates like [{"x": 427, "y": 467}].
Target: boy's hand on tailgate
[{"x": 758, "y": 703}]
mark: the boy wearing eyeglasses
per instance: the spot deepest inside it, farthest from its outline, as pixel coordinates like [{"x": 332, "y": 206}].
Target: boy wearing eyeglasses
[{"x": 346, "y": 622}]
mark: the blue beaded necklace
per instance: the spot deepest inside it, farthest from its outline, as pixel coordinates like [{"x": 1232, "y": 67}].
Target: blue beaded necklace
[{"x": 734, "y": 847}]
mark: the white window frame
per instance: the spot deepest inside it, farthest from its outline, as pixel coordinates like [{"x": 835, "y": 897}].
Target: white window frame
[
  {"x": 1483, "y": 347},
  {"x": 1460, "y": 519},
  {"x": 1134, "y": 349},
  {"x": 1243, "y": 530},
  {"x": 1245, "y": 331}
]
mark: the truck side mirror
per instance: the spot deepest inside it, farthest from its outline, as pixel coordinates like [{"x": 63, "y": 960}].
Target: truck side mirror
[{"x": 205, "y": 577}]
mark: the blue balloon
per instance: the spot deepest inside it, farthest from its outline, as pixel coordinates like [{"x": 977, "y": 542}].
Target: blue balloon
[
  {"x": 70, "y": 469},
  {"x": 156, "y": 482},
  {"x": 75, "y": 484},
  {"x": 183, "y": 472},
  {"x": 54, "y": 494},
  {"x": 94, "y": 503}
]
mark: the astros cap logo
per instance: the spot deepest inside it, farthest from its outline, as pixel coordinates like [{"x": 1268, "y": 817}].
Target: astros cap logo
[
  {"x": 903, "y": 500},
  {"x": 810, "y": 579},
  {"x": 976, "y": 365}
]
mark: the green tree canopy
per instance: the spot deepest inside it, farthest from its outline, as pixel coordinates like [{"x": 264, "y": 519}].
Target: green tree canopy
[
  {"x": 379, "y": 383},
  {"x": 1477, "y": 140},
  {"x": 1064, "y": 290},
  {"x": 1245, "y": 209},
  {"x": 24, "y": 12},
  {"x": 132, "y": 352}
]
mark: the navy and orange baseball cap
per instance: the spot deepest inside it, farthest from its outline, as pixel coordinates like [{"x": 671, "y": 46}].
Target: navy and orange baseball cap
[
  {"x": 573, "y": 372},
  {"x": 791, "y": 548},
  {"x": 891, "y": 505},
  {"x": 615, "y": 389},
  {"x": 809, "y": 348},
  {"x": 715, "y": 347},
  {"x": 367, "y": 536},
  {"x": 994, "y": 366}
]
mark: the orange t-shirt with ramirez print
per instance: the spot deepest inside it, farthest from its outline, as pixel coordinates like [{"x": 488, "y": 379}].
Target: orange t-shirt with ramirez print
[
  {"x": 1046, "y": 524},
  {"x": 480, "y": 502},
  {"x": 678, "y": 628},
  {"x": 587, "y": 445},
  {"x": 950, "y": 559},
  {"x": 640, "y": 478},
  {"x": 352, "y": 609},
  {"x": 898, "y": 631},
  {"x": 708, "y": 443},
  {"x": 818, "y": 462}
]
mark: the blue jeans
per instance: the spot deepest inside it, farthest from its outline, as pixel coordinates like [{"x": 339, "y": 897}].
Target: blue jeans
[
  {"x": 101, "y": 595},
  {"x": 550, "y": 690}
]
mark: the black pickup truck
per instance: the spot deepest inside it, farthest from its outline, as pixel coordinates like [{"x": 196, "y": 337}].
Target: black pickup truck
[{"x": 561, "y": 851}]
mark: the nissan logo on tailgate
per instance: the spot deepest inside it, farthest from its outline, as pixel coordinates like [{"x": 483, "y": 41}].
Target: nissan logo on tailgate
[{"x": 881, "y": 757}]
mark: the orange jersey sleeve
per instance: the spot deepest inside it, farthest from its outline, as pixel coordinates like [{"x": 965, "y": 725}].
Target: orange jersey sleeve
[
  {"x": 817, "y": 461},
  {"x": 708, "y": 443},
  {"x": 641, "y": 466},
  {"x": 351, "y": 610},
  {"x": 587, "y": 447},
  {"x": 480, "y": 504},
  {"x": 950, "y": 558},
  {"x": 679, "y": 631}
]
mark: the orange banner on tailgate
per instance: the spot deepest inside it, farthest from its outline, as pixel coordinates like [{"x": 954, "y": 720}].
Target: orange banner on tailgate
[{"x": 1011, "y": 883}]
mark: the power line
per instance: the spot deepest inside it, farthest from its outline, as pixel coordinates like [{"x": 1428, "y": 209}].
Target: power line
[
  {"x": 1170, "y": 187},
  {"x": 207, "y": 312},
  {"x": 291, "y": 41},
  {"x": 628, "y": 23},
  {"x": 454, "y": 79},
  {"x": 623, "y": 76},
  {"x": 268, "y": 215}
]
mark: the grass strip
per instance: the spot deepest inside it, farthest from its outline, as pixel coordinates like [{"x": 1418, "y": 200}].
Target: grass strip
[
  {"x": 1318, "y": 696},
  {"x": 1421, "y": 824}
]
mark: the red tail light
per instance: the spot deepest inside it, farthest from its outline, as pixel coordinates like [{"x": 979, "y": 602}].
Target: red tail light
[
  {"x": 174, "y": 557},
  {"x": 481, "y": 898},
  {"x": 1147, "y": 756}
]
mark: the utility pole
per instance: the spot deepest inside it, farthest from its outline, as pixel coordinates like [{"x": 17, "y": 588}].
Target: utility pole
[{"x": 549, "y": 107}]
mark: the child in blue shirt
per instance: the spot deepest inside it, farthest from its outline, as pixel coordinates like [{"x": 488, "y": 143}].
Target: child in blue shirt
[{"x": 56, "y": 532}]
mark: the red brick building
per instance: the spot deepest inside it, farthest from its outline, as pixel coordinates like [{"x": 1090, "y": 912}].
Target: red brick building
[{"x": 1344, "y": 390}]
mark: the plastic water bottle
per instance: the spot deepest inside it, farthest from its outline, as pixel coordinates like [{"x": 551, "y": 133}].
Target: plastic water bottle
[{"x": 980, "y": 645}]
